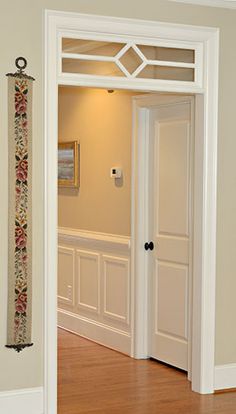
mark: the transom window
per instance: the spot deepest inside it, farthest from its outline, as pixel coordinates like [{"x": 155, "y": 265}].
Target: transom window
[{"x": 134, "y": 60}]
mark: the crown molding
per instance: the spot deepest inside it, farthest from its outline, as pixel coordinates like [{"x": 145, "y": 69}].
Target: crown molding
[{"x": 226, "y": 4}]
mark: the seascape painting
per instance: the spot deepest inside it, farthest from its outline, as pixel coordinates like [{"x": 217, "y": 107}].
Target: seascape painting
[
  {"x": 65, "y": 164},
  {"x": 68, "y": 164}
]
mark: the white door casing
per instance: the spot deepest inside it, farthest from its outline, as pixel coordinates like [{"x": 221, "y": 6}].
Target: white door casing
[
  {"x": 206, "y": 88},
  {"x": 170, "y": 228}
]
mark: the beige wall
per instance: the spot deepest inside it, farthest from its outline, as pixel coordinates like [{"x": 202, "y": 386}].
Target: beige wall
[
  {"x": 102, "y": 122},
  {"x": 21, "y": 33}
]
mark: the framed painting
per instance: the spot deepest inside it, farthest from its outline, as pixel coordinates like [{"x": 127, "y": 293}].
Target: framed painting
[{"x": 68, "y": 164}]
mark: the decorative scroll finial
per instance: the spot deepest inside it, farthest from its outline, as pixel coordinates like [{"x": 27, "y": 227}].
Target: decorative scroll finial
[{"x": 21, "y": 64}]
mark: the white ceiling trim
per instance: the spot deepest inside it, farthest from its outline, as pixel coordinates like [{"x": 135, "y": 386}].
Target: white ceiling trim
[{"x": 227, "y": 4}]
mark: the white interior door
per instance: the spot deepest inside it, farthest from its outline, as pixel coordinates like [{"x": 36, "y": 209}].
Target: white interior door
[{"x": 170, "y": 230}]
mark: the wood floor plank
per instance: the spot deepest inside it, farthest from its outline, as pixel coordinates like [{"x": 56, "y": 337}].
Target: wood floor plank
[{"x": 96, "y": 380}]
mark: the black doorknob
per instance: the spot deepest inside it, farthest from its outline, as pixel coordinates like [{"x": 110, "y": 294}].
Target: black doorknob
[{"x": 149, "y": 246}]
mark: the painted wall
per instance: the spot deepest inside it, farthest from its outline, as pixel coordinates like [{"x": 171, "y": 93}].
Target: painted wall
[
  {"x": 21, "y": 33},
  {"x": 102, "y": 122}
]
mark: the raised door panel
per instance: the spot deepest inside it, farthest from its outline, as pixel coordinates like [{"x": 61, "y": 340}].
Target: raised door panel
[
  {"x": 173, "y": 160},
  {"x": 172, "y": 300}
]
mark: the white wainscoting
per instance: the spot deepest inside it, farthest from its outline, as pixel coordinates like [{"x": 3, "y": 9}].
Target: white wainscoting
[
  {"x": 26, "y": 401},
  {"x": 94, "y": 286}
]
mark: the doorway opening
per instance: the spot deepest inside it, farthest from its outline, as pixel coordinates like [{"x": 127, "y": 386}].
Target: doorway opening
[
  {"x": 189, "y": 76},
  {"x": 97, "y": 284}
]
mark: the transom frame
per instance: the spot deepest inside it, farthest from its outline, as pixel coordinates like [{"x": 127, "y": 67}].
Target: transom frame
[{"x": 130, "y": 78}]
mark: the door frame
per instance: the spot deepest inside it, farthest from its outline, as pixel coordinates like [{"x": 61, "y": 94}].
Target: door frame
[{"x": 206, "y": 88}]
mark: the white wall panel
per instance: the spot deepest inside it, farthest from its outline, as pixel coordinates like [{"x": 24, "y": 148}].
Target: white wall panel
[
  {"x": 116, "y": 288},
  {"x": 66, "y": 275},
  {"x": 88, "y": 274}
]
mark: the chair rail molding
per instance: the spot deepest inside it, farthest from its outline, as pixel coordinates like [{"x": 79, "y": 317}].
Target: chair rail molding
[
  {"x": 206, "y": 41},
  {"x": 94, "y": 239}
]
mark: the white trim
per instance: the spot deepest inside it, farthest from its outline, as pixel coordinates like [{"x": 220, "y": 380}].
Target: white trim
[
  {"x": 226, "y": 4},
  {"x": 208, "y": 38},
  {"x": 50, "y": 218},
  {"x": 96, "y": 239},
  {"x": 22, "y": 401},
  {"x": 131, "y": 32},
  {"x": 139, "y": 233},
  {"x": 72, "y": 79},
  {"x": 225, "y": 376},
  {"x": 95, "y": 331}
]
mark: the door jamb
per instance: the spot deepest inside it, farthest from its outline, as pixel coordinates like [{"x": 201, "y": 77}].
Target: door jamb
[{"x": 204, "y": 332}]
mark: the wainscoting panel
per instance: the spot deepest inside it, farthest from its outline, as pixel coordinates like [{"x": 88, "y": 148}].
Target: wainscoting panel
[
  {"x": 66, "y": 275},
  {"x": 94, "y": 287},
  {"x": 116, "y": 288},
  {"x": 88, "y": 272}
]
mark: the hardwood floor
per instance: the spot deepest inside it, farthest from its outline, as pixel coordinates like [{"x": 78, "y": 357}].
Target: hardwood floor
[{"x": 95, "y": 379}]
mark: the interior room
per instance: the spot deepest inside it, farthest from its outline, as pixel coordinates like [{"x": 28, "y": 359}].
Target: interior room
[
  {"x": 94, "y": 214},
  {"x": 124, "y": 301}
]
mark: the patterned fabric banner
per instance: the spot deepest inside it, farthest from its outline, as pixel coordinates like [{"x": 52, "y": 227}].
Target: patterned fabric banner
[{"x": 20, "y": 212}]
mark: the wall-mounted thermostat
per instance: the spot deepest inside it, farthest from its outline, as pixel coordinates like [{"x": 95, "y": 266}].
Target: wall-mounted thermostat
[{"x": 116, "y": 173}]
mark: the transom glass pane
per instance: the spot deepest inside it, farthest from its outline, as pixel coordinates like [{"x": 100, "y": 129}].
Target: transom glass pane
[
  {"x": 167, "y": 73},
  {"x": 89, "y": 67},
  {"x": 168, "y": 54},
  {"x": 91, "y": 47}
]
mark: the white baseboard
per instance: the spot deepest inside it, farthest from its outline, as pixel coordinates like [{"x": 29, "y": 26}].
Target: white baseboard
[
  {"x": 95, "y": 331},
  {"x": 225, "y": 376},
  {"x": 22, "y": 401}
]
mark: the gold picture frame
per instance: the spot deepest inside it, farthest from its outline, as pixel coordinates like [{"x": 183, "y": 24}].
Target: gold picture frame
[{"x": 68, "y": 164}]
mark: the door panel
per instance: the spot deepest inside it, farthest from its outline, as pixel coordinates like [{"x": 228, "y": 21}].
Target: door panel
[
  {"x": 173, "y": 155},
  {"x": 171, "y": 291},
  {"x": 170, "y": 229}
]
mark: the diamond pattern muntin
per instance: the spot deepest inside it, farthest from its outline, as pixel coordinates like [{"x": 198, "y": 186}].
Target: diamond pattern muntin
[{"x": 131, "y": 60}]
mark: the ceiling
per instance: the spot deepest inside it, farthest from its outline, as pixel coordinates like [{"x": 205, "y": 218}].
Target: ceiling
[{"x": 227, "y": 4}]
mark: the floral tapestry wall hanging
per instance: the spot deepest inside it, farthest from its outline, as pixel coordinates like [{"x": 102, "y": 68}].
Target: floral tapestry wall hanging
[{"x": 20, "y": 88}]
